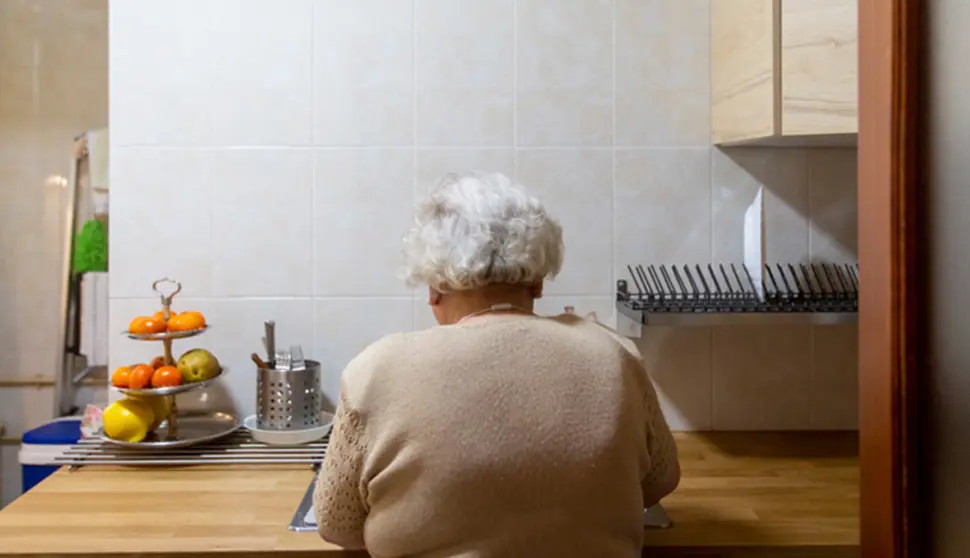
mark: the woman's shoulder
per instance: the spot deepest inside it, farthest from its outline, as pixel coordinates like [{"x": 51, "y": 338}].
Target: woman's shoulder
[
  {"x": 387, "y": 356},
  {"x": 596, "y": 328}
]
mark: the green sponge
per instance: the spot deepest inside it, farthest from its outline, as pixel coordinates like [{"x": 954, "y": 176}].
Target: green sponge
[{"x": 91, "y": 248}]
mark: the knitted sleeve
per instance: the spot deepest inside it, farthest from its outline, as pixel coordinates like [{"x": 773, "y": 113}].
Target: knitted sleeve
[
  {"x": 660, "y": 443},
  {"x": 661, "y": 448},
  {"x": 339, "y": 500}
]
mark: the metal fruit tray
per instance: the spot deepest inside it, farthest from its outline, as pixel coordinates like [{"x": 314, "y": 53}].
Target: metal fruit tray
[
  {"x": 196, "y": 428},
  {"x": 165, "y": 335},
  {"x": 171, "y": 390}
]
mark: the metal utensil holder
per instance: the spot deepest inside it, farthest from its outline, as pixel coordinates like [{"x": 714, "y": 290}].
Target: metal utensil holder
[{"x": 288, "y": 399}]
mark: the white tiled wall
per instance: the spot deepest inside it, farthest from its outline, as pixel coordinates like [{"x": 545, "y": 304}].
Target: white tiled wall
[{"x": 267, "y": 154}]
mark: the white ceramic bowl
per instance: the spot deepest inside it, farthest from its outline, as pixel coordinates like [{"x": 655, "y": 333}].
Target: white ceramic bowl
[{"x": 289, "y": 437}]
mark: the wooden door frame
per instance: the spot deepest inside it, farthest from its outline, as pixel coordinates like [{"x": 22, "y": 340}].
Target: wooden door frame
[{"x": 888, "y": 341}]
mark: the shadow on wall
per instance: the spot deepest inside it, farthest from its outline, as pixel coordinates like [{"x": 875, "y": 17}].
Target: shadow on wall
[
  {"x": 811, "y": 199},
  {"x": 795, "y": 377}
]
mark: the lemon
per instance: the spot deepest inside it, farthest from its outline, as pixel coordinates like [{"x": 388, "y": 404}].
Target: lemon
[
  {"x": 160, "y": 408},
  {"x": 128, "y": 420}
]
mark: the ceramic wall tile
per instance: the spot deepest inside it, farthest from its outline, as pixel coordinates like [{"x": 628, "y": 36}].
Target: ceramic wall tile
[
  {"x": 45, "y": 85},
  {"x": 362, "y": 209},
  {"x": 465, "y": 83},
  {"x": 564, "y": 73},
  {"x": 679, "y": 363},
  {"x": 262, "y": 249},
  {"x": 576, "y": 188},
  {"x": 761, "y": 378},
  {"x": 663, "y": 73},
  {"x": 662, "y": 207},
  {"x": 363, "y": 72},
  {"x": 215, "y": 73},
  {"x": 57, "y": 27},
  {"x": 37, "y": 362},
  {"x": 833, "y": 204},
  {"x": 422, "y": 315},
  {"x": 161, "y": 220},
  {"x": 835, "y": 378},
  {"x": 434, "y": 164},
  {"x": 343, "y": 327},
  {"x": 736, "y": 175},
  {"x": 30, "y": 309},
  {"x": 34, "y": 174}
]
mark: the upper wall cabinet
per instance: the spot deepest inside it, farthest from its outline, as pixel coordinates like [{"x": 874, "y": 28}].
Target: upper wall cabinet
[{"x": 784, "y": 72}]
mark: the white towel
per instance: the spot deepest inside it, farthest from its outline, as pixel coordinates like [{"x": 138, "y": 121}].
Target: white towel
[
  {"x": 94, "y": 318},
  {"x": 98, "y": 175}
]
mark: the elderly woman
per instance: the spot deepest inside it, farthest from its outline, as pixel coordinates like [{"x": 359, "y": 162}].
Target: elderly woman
[{"x": 500, "y": 433}]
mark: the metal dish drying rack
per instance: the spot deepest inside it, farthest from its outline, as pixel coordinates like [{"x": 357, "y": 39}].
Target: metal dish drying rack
[
  {"x": 822, "y": 294},
  {"x": 235, "y": 449}
]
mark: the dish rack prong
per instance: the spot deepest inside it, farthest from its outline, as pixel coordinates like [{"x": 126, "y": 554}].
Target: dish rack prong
[{"x": 668, "y": 294}]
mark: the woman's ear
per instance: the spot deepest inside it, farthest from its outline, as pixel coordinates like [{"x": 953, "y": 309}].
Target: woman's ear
[{"x": 434, "y": 297}]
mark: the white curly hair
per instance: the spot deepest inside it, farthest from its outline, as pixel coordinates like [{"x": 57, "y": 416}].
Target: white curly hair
[{"x": 480, "y": 229}]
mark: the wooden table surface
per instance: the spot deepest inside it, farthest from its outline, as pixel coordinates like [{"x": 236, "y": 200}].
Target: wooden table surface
[{"x": 742, "y": 494}]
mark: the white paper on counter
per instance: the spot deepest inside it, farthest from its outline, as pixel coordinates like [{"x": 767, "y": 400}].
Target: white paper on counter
[{"x": 754, "y": 242}]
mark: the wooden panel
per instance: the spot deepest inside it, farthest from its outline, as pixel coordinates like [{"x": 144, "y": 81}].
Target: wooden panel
[
  {"x": 743, "y": 69},
  {"x": 889, "y": 301},
  {"x": 819, "y": 61}
]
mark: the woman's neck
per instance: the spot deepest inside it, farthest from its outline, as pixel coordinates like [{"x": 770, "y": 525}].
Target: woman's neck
[{"x": 486, "y": 303}]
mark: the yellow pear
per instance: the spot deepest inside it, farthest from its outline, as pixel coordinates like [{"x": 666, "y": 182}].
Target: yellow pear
[{"x": 198, "y": 365}]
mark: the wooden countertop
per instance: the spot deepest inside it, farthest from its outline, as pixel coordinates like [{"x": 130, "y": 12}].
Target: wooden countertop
[{"x": 750, "y": 494}]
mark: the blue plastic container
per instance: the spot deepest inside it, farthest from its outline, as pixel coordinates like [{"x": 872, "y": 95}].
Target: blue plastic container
[{"x": 40, "y": 446}]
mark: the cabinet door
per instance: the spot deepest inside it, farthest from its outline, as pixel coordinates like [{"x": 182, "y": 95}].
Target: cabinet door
[
  {"x": 819, "y": 65},
  {"x": 744, "y": 70}
]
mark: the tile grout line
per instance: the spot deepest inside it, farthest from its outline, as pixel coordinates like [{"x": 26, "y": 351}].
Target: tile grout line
[
  {"x": 313, "y": 177},
  {"x": 515, "y": 90},
  {"x": 811, "y": 328},
  {"x": 414, "y": 128},
  {"x": 613, "y": 241},
  {"x": 277, "y": 147}
]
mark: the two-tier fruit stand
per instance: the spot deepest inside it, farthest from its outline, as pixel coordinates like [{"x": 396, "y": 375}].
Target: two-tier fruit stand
[{"x": 177, "y": 430}]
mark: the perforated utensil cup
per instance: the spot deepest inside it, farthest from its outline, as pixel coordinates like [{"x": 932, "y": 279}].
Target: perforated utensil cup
[{"x": 289, "y": 399}]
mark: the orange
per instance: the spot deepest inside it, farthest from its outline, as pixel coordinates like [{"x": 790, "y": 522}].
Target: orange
[
  {"x": 146, "y": 324},
  {"x": 160, "y": 315},
  {"x": 121, "y": 377},
  {"x": 166, "y": 376},
  {"x": 187, "y": 321},
  {"x": 157, "y": 362},
  {"x": 141, "y": 376}
]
